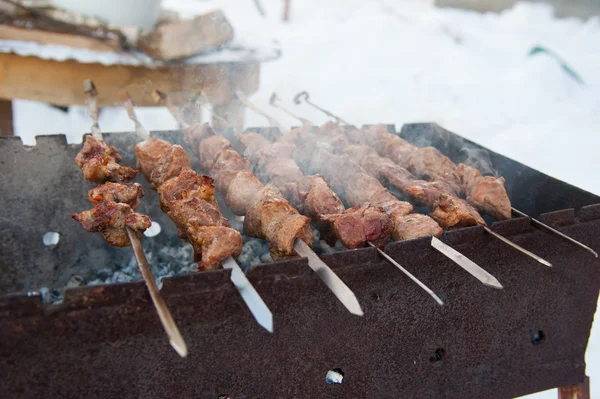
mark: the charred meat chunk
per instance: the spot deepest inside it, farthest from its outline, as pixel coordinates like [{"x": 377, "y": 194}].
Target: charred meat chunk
[
  {"x": 111, "y": 219},
  {"x": 100, "y": 163}
]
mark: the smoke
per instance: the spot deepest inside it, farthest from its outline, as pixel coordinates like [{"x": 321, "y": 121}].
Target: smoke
[{"x": 480, "y": 159}]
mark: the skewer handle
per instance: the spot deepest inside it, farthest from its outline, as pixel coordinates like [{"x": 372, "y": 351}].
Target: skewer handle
[{"x": 164, "y": 314}]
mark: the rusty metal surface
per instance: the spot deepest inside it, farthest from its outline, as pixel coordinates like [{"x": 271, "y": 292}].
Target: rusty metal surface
[{"x": 106, "y": 341}]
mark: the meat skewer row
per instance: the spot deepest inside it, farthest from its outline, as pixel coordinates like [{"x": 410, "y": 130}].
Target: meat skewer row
[
  {"x": 437, "y": 194},
  {"x": 267, "y": 215},
  {"x": 483, "y": 189},
  {"x": 357, "y": 225},
  {"x": 113, "y": 214},
  {"x": 189, "y": 200},
  {"x": 348, "y": 178}
]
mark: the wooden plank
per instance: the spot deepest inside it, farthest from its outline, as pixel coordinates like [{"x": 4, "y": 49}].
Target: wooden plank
[
  {"x": 60, "y": 83},
  {"x": 189, "y": 37},
  {"x": 6, "y": 118},
  {"x": 579, "y": 391},
  {"x": 8, "y": 32}
]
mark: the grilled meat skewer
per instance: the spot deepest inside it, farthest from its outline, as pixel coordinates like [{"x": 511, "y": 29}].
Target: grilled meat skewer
[
  {"x": 188, "y": 199},
  {"x": 113, "y": 214}
]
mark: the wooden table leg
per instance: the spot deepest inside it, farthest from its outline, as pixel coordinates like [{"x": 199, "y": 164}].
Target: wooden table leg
[
  {"x": 579, "y": 391},
  {"x": 6, "y": 118},
  {"x": 229, "y": 115}
]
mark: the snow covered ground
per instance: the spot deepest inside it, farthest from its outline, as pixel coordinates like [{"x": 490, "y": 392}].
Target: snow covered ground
[{"x": 406, "y": 61}]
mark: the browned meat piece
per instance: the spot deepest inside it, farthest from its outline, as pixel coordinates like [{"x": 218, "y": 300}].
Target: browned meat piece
[
  {"x": 487, "y": 193},
  {"x": 379, "y": 167},
  {"x": 321, "y": 200},
  {"x": 359, "y": 153},
  {"x": 212, "y": 244},
  {"x": 100, "y": 163},
  {"x": 253, "y": 142},
  {"x": 297, "y": 191},
  {"x": 383, "y": 198},
  {"x": 149, "y": 152},
  {"x": 415, "y": 225},
  {"x": 170, "y": 165},
  {"x": 129, "y": 193},
  {"x": 261, "y": 152},
  {"x": 194, "y": 134},
  {"x": 272, "y": 218},
  {"x": 185, "y": 186},
  {"x": 111, "y": 219},
  {"x": 227, "y": 167},
  {"x": 429, "y": 164},
  {"x": 387, "y": 144},
  {"x": 282, "y": 171},
  {"x": 313, "y": 198},
  {"x": 210, "y": 149},
  {"x": 360, "y": 188},
  {"x": 183, "y": 211},
  {"x": 358, "y": 225},
  {"x": 242, "y": 193}
]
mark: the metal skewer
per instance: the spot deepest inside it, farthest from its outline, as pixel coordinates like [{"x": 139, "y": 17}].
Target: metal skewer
[
  {"x": 518, "y": 247},
  {"x": 255, "y": 304},
  {"x": 331, "y": 280},
  {"x": 272, "y": 121},
  {"x": 175, "y": 338},
  {"x": 473, "y": 268},
  {"x": 139, "y": 128},
  {"x": 413, "y": 278},
  {"x": 553, "y": 230},
  {"x": 304, "y": 96},
  {"x": 276, "y": 102},
  {"x": 89, "y": 88}
]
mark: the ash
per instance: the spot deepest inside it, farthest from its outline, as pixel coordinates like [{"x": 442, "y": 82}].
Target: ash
[{"x": 175, "y": 259}]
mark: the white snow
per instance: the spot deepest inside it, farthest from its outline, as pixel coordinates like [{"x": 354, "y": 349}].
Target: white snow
[{"x": 406, "y": 61}]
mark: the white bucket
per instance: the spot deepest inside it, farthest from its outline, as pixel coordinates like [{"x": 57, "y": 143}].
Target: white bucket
[{"x": 140, "y": 13}]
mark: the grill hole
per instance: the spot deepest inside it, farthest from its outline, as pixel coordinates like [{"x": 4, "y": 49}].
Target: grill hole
[
  {"x": 439, "y": 355},
  {"x": 538, "y": 337}
]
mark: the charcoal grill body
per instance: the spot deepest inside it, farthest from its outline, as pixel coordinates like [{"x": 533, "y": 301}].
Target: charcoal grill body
[{"x": 106, "y": 341}]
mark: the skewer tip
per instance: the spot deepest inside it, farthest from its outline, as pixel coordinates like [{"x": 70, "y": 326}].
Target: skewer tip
[{"x": 179, "y": 346}]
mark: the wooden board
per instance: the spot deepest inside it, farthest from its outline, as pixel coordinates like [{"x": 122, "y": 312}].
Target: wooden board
[
  {"x": 8, "y": 32},
  {"x": 60, "y": 83},
  {"x": 182, "y": 39}
]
